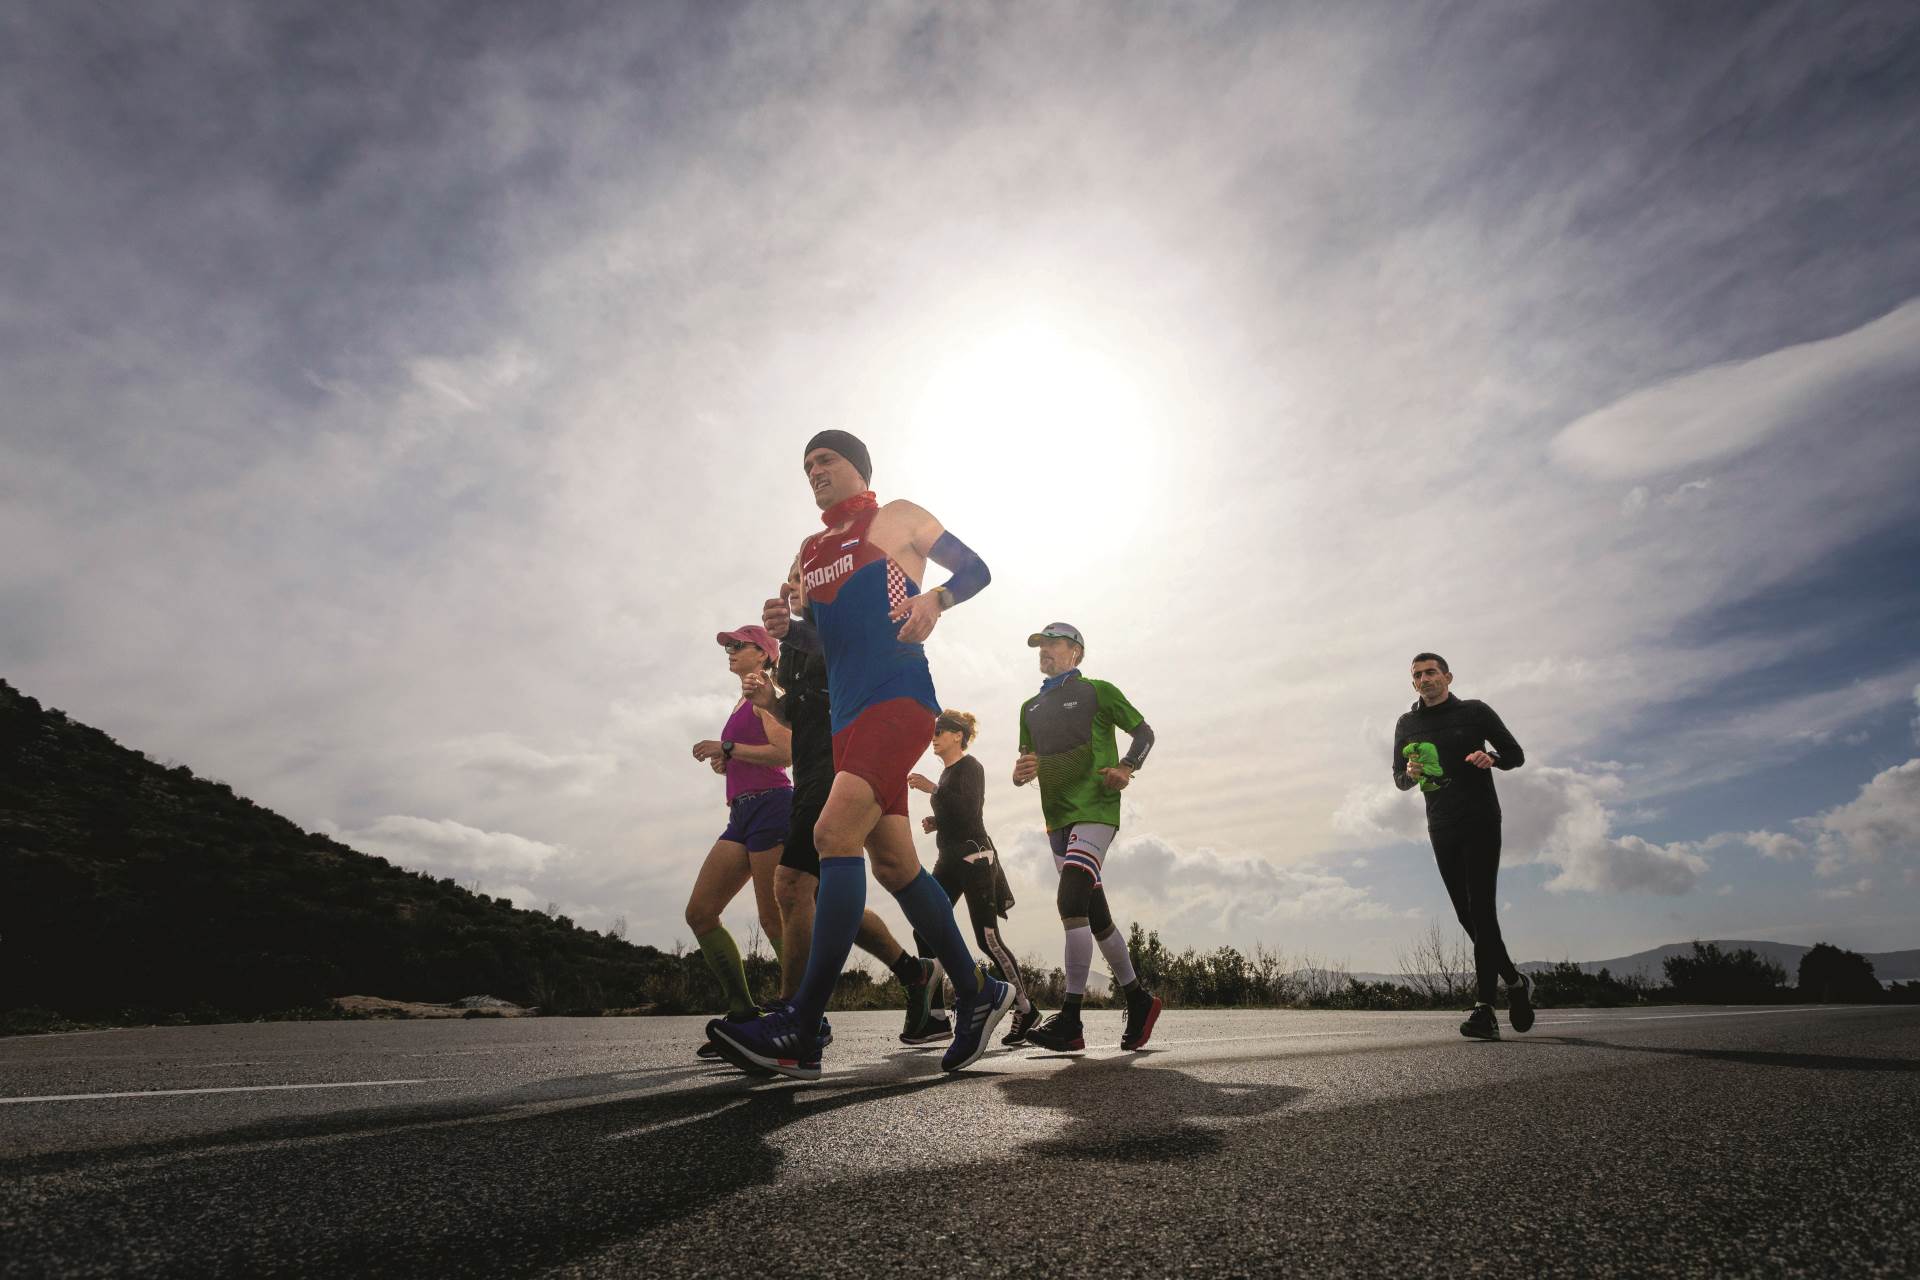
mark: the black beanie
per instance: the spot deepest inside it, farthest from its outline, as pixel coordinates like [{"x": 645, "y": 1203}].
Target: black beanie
[{"x": 848, "y": 446}]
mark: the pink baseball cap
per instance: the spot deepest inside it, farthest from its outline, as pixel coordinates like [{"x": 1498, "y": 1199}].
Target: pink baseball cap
[{"x": 753, "y": 635}]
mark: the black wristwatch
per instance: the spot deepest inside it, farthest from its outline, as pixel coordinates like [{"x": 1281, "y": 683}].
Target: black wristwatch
[{"x": 726, "y": 750}]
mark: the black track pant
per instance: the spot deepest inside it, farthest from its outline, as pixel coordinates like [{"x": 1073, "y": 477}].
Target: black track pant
[
  {"x": 1469, "y": 858},
  {"x": 974, "y": 881}
]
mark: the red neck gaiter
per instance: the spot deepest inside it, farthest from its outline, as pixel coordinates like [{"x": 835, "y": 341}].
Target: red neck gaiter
[{"x": 847, "y": 508}]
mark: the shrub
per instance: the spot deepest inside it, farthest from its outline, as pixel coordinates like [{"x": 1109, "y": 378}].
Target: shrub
[
  {"x": 1713, "y": 976},
  {"x": 1829, "y": 974}
]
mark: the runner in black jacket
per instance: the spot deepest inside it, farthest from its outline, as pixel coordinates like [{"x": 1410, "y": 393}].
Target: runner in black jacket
[
  {"x": 968, "y": 865},
  {"x": 1441, "y": 746}
]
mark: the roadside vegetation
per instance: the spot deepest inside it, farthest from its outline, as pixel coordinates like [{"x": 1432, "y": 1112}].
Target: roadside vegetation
[{"x": 133, "y": 892}]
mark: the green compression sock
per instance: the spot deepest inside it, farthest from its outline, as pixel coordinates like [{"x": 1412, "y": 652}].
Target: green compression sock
[{"x": 723, "y": 957}]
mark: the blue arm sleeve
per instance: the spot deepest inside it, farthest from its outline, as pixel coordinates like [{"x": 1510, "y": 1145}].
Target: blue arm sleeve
[{"x": 969, "y": 570}]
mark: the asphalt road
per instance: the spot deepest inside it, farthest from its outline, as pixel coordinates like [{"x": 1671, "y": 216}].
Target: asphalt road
[{"x": 1677, "y": 1141}]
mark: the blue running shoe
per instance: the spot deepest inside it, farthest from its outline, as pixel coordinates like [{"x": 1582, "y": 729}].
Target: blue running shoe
[
  {"x": 769, "y": 1043},
  {"x": 825, "y": 1037},
  {"x": 974, "y": 1021},
  {"x": 707, "y": 1053}
]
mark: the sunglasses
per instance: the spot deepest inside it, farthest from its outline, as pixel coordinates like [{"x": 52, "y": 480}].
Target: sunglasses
[{"x": 735, "y": 646}]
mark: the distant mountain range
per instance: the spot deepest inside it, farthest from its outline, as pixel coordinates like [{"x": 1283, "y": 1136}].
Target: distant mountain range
[{"x": 1888, "y": 966}]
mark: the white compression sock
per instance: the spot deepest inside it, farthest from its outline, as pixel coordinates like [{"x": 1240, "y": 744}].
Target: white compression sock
[{"x": 1114, "y": 948}]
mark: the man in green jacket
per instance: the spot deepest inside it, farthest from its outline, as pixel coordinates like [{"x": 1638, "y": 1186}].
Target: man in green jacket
[{"x": 1067, "y": 743}]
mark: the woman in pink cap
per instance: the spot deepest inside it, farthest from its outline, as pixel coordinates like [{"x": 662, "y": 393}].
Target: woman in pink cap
[{"x": 753, "y": 752}]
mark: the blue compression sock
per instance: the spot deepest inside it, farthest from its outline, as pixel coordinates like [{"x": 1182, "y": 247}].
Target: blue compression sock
[
  {"x": 837, "y": 911},
  {"x": 931, "y": 915}
]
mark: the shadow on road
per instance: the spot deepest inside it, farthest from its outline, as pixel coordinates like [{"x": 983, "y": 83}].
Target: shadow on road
[
  {"x": 1117, "y": 1110},
  {"x": 1751, "y": 1057},
  {"x": 510, "y": 1188}
]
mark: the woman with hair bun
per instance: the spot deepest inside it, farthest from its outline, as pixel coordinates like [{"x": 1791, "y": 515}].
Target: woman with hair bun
[{"x": 968, "y": 866}]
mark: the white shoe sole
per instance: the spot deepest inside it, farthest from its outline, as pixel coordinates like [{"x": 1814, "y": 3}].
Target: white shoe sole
[{"x": 754, "y": 1063}]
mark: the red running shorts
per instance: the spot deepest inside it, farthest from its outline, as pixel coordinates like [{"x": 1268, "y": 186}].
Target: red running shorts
[{"x": 881, "y": 747}]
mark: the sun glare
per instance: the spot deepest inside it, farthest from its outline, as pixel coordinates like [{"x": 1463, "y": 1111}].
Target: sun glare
[{"x": 1042, "y": 416}]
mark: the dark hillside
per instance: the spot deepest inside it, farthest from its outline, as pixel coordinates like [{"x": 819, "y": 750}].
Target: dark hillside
[{"x": 130, "y": 888}]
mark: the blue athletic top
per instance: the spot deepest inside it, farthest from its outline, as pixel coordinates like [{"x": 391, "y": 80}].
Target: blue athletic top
[{"x": 852, "y": 586}]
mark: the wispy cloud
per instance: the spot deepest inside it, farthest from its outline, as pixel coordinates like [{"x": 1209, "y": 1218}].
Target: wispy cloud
[
  {"x": 1717, "y": 413},
  {"x": 455, "y": 849},
  {"x": 1193, "y": 896}
]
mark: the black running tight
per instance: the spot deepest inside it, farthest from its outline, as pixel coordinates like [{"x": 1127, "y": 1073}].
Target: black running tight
[
  {"x": 1469, "y": 858},
  {"x": 974, "y": 881}
]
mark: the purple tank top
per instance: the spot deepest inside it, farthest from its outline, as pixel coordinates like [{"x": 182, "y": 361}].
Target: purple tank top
[{"x": 744, "y": 728}]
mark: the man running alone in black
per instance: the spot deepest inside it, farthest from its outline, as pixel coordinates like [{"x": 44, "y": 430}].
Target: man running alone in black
[{"x": 1441, "y": 746}]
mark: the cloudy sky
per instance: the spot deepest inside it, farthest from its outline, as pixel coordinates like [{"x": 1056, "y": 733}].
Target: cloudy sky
[{"x": 398, "y": 399}]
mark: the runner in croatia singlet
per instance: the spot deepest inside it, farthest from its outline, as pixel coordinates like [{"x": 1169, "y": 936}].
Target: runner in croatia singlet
[
  {"x": 852, "y": 588},
  {"x": 860, "y": 585}
]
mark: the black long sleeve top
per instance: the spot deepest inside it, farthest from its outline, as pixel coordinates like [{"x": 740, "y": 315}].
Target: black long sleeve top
[
  {"x": 1457, "y": 728},
  {"x": 957, "y": 805},
  {"x": 802, "y": 673}
]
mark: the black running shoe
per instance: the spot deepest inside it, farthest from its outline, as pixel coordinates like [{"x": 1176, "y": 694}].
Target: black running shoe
[
  {"x": 1061, "y": 1033},
  {"x": 708, "y": 1052},
  {"x": 934, "y": 1029},
  {"x": 1480, "y": 1024},
  {"x": 1520, "y": 1004},
  {"x": 919, "y": 1005},
  {"x": 1143, "y": 1010},
  {"x": 1018, "y": 1026}
]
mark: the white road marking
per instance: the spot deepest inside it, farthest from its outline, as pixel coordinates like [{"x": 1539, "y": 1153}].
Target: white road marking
[
  {"x": 664, "y": 1125},
  {"x": 232, "y": 1088},
  {"x": 1725, "y": 1013},
  {"x": 1655, "y": 1017},
  {"x": 1285, "y": 1035}
]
